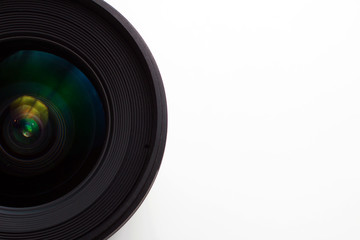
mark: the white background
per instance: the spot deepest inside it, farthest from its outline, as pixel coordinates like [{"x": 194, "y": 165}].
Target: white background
[{"x": 264, "y": 119}]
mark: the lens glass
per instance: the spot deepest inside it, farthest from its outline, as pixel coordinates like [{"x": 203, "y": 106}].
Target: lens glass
[{"x": 52, "y": 127}]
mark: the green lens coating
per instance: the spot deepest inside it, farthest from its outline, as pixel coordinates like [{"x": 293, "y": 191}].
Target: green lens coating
[
  {"x": 52, "y": 95},
  {"x": 52, "y": 125},
  {"x": 28, "y": 126}
]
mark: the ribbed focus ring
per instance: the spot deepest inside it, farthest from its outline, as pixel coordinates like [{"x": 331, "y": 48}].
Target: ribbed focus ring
[{"x": 133, "y": 92}]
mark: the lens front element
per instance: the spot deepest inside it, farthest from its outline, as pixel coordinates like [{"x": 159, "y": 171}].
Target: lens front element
[{"x": 52, "y": 127}]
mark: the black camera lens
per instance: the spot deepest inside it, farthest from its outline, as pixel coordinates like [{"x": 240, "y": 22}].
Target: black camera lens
[{"x": 82, "y": 119}]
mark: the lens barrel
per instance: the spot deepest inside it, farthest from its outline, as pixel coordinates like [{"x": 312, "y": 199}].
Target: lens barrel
[{"x": 83, "y": 119}]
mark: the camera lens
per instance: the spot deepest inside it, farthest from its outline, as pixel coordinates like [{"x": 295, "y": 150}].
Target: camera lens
[{"x": 83, "y": 119}]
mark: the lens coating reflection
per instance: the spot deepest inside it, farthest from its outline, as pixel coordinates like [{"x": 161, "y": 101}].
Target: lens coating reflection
[
  {"x": 28, "y": 118},
  {"x": 52, "y": 127}
]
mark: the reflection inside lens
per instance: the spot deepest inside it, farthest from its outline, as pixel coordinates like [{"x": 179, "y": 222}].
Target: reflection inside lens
[
  {"x": 28, "y": 126},
  {"x": 29, "y": 116},
  {"x": 52, "y": 127}
]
